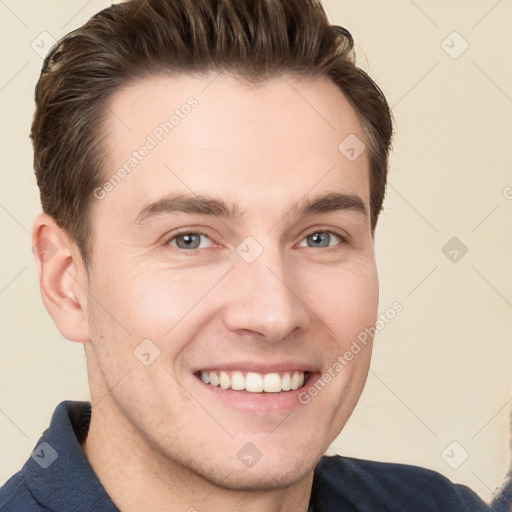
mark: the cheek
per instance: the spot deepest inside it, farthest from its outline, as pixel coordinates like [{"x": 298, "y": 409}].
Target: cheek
[
  {"x": 163, "y": 300},
  {"x": 346, "y": 300},
  {"x": 150, "y": 301}
]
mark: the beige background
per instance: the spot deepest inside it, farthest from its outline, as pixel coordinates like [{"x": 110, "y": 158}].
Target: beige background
[{"x": 442, "y": 368}]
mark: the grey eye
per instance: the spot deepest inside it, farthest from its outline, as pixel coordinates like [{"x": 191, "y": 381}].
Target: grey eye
[
  {"x": 322, "y": 239},
  {"x": 188, "y": 241}
]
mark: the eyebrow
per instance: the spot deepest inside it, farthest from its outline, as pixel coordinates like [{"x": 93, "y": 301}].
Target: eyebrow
[{"x": 206, "y": 205}]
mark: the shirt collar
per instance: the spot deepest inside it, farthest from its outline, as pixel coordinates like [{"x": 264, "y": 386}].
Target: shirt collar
[{"x": 58, "y": 472}]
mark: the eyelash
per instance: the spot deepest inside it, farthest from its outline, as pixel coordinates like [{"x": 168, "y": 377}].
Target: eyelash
[{"x": 343, "y": 237}]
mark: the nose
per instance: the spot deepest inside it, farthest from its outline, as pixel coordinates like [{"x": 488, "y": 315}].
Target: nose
[{"x": 264, "y": 298}]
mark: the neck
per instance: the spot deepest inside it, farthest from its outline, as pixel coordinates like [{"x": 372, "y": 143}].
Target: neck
[{"x": 138, "y": 478}]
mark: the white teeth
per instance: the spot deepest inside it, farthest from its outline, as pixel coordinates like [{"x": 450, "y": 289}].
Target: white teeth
[
  {"x": 295, "y": 380},
  {"x": 272, "y": 383},
  {"x": 237, "y": 381},
  {"x": 254, "y": 382},
  {"x": 224, "y": 380},
  {"x": 286, "y": 382},
  {"x": 214, "y": 379}
]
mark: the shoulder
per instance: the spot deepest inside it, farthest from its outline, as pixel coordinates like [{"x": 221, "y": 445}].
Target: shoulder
[
  {"x": 400, "y": 487},
  {"x": 503, "y": 500},
  {"x": 57, "y": 475},
  {"x": 15, "y": 495}
]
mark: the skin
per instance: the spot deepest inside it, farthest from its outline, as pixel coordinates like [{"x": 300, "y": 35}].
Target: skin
[{"x": 159, "y": 438}]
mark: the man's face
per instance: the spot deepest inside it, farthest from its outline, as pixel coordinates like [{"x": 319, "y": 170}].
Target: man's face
[{"x": 273, "y": 288}]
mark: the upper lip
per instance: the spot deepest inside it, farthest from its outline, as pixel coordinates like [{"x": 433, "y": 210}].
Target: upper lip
[{"x": 263, "y": 368}]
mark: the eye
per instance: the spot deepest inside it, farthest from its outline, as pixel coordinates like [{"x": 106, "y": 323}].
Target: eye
[
  {"x": 191, "y": 241},
  {"x": 323, "y": 239},
  {"x": 188, "y": 240}
]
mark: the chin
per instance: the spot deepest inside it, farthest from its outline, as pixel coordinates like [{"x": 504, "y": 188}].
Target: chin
[
  {"x": 262, "y": 480},
  {"x": 262, "y": 476}
]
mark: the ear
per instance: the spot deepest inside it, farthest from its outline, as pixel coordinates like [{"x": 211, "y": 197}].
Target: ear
[{"x": 62, "y": 278}]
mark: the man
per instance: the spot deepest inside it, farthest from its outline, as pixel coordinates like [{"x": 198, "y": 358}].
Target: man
[{"x": 211, "y": 174}]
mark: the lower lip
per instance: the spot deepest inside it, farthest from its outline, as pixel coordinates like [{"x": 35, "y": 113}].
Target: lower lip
[{"x": 266, "y": 404}]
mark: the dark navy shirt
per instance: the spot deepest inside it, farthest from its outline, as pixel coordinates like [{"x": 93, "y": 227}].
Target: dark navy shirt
[{"x": 58, "y": 478}]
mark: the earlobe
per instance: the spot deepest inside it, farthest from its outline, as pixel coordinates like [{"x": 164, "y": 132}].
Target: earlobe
[{"x": 62, "y": 278}]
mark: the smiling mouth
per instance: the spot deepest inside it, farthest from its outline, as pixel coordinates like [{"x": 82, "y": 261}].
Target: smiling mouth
[{"x": 253, "y": 382}]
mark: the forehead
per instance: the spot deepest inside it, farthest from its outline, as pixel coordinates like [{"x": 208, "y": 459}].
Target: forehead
[{"x": 217, "y": 134}]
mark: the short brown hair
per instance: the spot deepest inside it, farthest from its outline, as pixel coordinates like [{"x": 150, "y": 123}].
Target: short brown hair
[{"x": 254, "y": 39}]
